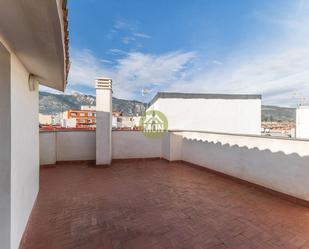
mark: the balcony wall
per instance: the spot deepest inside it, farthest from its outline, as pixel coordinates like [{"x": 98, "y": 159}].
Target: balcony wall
[
  {"x": 277, "y": 164},
  {"x": 66, "y": 146},
  {"x": 80, "y": 145},
  {"x": 133, "y": 144}
]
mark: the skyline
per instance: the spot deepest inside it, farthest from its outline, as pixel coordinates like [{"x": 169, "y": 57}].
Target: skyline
[{"x": 212, "y": 47}]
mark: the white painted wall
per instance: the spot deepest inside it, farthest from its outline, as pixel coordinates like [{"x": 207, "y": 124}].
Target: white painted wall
[
  {"x": 133, "y": 144},
  {"x": 80, "y": 145},
  {"x": 172, "y": 146},
  {"x": 278, "y": 164},
  {"x": 302, "y": 122},
  {"x": 239, "y": 116},
  {"x": 166, "y": 146},
  {"x": 48, "y": 148},
  {"x": 20, "y": 143},
  {"x": 24, "y": 151},
  {"x": 66, "y": 146},
  {"x": 76, "y": 145}
]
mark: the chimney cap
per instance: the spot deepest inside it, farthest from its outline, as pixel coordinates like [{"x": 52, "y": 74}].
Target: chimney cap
[
  {"x": 103, "y": 83},
  {"x": 104, "y": 78}
]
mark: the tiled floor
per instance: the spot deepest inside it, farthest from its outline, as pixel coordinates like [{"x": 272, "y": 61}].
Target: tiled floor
[{"x": 154, "y": 204}]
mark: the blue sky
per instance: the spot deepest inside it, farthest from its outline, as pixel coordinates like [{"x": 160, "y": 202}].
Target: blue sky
[{"x": 214, "y": 46}]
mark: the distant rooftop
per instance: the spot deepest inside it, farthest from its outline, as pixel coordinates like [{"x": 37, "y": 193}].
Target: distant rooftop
[{"x": 174, "y": 95}]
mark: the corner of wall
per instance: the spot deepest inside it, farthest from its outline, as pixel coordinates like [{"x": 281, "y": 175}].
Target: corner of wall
[{"x": 172, "y": 146}]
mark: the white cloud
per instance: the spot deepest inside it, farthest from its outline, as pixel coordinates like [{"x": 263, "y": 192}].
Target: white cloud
[
  {"x": 117, "y": 51},
  {"x": 124, "y": 24},
  {"x": 85, "y": 68},
  {"x": 141, "y": 35},
  {"x": 138, "y": 70},
  {"x": 128, "y": 39},
  {"x": 216, "y": 62},
  {"x": 129, "y": 31},
  {"x": 132, "y": 72},
  {"x": 276, "y": 75}
]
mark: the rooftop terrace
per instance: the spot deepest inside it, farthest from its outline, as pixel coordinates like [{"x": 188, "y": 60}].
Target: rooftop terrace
[{"x": 156, "y": 204}]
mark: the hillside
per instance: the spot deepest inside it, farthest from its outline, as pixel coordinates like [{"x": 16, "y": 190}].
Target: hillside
[
  {"x": 275, "y": 113},
  {"x": 54, "y": 103}
]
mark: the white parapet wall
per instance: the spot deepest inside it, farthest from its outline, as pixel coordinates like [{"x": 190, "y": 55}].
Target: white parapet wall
[
  {"x": 77, "y": 145},
  {"x": 81, "y": 145},
  {"x": 66, "y": 146},
  {"x": 133, "y": 144},
  {"x": 278, "y": 164},
  {"x": 48, "y": 148}
]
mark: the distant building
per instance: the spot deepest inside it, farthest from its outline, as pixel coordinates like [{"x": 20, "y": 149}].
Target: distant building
[
  {"x": 226, "y": 113},
  {"x": 278, "y": 129},
  {"x": 88, "y": 107},
  {"x": 117, "y": 114},
  {"x": 50, "y": 119},
  {"x": 86, "y": 118},
  {"x": 135, "y": 121},
  {"x": 45, "y": 119},
  {"x": 125, "y": 122},
  {"x": 116, "y": 119},
  {"x": 302, "y": 122},
  {"x": 83, "y": 118},
  {"x": 57, "y": 119},
  {"x": 131, "y": 122},
  {"x": 69, "y": 123}
]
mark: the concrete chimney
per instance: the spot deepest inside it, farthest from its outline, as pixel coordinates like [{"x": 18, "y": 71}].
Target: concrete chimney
[{"x": 103, "y": 121}]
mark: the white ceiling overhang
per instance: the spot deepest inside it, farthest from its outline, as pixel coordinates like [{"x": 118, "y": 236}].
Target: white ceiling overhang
[{"x": 35, "y": 31}]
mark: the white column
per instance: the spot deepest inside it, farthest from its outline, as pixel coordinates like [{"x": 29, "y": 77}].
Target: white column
[
  {"x": 104, "y": 121},
  {"x": 19, "y": 164}
]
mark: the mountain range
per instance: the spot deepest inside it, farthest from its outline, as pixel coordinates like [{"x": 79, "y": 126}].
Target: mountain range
[
  {"x": 276, "y": 113},
  {"x": 51, "y": 103}
]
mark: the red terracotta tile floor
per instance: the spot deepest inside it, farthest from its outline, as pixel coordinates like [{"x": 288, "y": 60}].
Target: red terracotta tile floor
[{"x": 156, "y": 204}]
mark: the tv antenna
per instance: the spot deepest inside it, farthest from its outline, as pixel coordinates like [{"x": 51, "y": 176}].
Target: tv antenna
[
  {"x": 146, "y": 91},
  {"x": 302, "y": 100}
]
